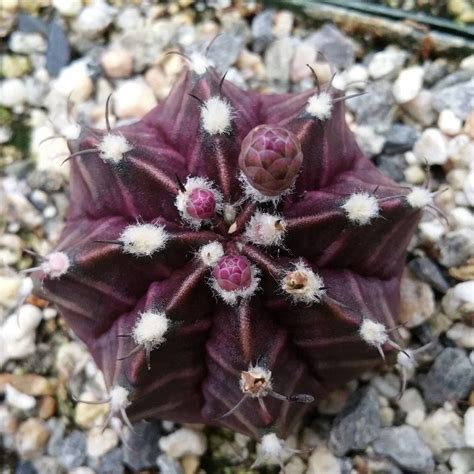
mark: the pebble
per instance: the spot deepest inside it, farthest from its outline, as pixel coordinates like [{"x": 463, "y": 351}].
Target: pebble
[
  {"x": 87, "y": 415},
  {"x": 73, "y": 452},
  {"x": 17, "y": 334},
  {"x": 184, "y": 441},
  {"x": 469, "y": 188},
  {"x": 9, "y": 288},
  {"x": 459, "y": 300},
  {"x": 421, "y": 108},
  {"x": 67, "y": 7},
  {"x": 400, "y": 138},
  {"x": 304, "y": 54},
  {"x": 322, "y": 461},
  {"x": 450, "y": 378},
  {"x": 358, "y": 423},
  {"x": 75, "y": 82},
  {"x": 387, "y": 63},
  {"x": 31, "y": 438},
  {"x": 393, "y": 166},
  {"x": 82, "y": 470},
  {"x": 449, "y": 123},
  {"x": 462, "y": 461},
  {"x": 337, "y": 48},
  {"x": 100, "y": 442},
  {"x": 469, "y": 427},
  {"x": 442, "y": 431},
  {"x": 458, "y": 97},
  {"x": 356, "y": 76},
  {"x": 425, "y": 269},
  {"x": 432, "y": 147},
  {"x": 462, "y": 335},
  {"x": 110, "y": 463},
  {"x": 47, "y": 465},
  {"x": 408, "y": 84},
  {"x": 142, "y": 445},
  {"x": 278, "y": 58},
  {"x": 19, "y": 400},
  {"x": 94, "y": 19},
  {"x": 369, "y": 141},
  {"x": 167, "y": 465},
  {"x": 117, "y": 63},
  {"x": 404, "y": 446},
  {"x": 12, "y": 92},
  {"x": 417, "y": 303},
  {"x": 225, "y": 51},
  {"x": 262, "y": 29},
  {"x": 27, "y": 43},
  {"x": 133, "y": 99},
  {"x": 8, "y": 421}
]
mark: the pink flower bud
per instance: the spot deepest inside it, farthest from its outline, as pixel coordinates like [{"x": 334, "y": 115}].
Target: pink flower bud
[
  {"x": 233, "y": 273},
  {"x": 270, "y": 159},
  {"x": 201, "y": 204}
]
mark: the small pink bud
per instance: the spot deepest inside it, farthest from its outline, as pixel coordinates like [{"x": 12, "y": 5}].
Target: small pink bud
[
  {"x": 233, "y": 273},
  {"x": 201, "y": 204},
  {"x": 270, "y": 159},
  {"x": 56, "y": 264}
]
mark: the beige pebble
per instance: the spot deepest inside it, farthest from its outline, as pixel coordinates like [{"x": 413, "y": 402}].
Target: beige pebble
[
  {"x": 31, "y": 438},
  {"x": 117, "y": 63}
]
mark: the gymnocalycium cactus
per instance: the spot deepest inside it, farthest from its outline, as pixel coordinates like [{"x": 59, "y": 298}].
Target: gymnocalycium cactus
[{"x": 231, "y": 257}]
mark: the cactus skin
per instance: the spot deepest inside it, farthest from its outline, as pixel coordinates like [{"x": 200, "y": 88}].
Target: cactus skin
[{"x": 195, "y": 373}]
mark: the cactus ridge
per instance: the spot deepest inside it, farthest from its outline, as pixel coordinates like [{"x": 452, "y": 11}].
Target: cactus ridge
[{"x": 232, "y": 256}]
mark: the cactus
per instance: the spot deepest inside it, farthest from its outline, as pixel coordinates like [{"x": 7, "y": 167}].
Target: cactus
[{"x": 232, "y": 257}]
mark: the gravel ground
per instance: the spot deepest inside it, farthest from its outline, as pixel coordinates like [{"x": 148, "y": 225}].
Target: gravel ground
[{"x": 418, "y": 112}]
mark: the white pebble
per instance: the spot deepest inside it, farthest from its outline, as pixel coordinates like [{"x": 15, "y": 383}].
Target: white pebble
[
  {"x": 68, "y": 7},
  {"x": 133, "y": 99},
  {"x": 432, "y": 147},
  {"x": 182, "y": 442},
  {"x": 414, "y": 174},
  {"x": 386, "y": 63},
  {"x": 322, "y": 461},
  {"x": 356, "y": 74},
  {"x": 462, "y": 335},
  {"x": 19, "y": 400},
  {"x": 9, "y": 288},
  {"x": 459, "y": 300},
  {"x": 469, "y": 427},
  {"x": 432, "y": 231},
  {"x": 94, "y": 19},
  {"x": 457, "y": 148},
  {"x": 12, "y": 92},
  {"x": 468, "y": 63},
  {"x": 27, "y": 43},
  {"x": 117, "y": 63},
  {"x": 449, "y": 123},
  {"x": 408, "y": 84},
  {"x": 468, "y": 188},
  {"x": 75, "y": 82},
  {"x": 100, "y": 442}
]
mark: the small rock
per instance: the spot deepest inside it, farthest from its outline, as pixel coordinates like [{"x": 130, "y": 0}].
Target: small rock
[
  {"x": 356, "y": 76},
  {"x": 337, "y": 48},
  {"x": 469, "y": 427},
  {"x": 87, "y": 415},
  {"x": 417, "y": 302},
  {"x": 31, "y": 438},
  {"x": 225, "y": 50},
  {"x": 100, "y": 442},
  {"x": 387, "y": 385},
  {"x": 67, "y": 7},
  {"x": 12, "y": 92},
  {"x": 142, "y": 445},
  {"x": 82, "y": 470},
  {"x": 435, "y": 71},
  {"x": 448, "y": 123},
  {"x": 421, "y": 108},
  {"x": 8, "y": 422},
  {"x": 304, "y": 54},
  {"x": 404, "y": 446},
  {"x": 27, "y": 43},
  {"x": 190, "y": 464},
  {"x": 370, "y": 142},
  {"x": 9, "y": 288},
  {"x": 442, "y": 431},
  {"x": 426, "y": 270},
  {"x": 386, "y": 64},
  {"x": 462, "y": 461},
  {"x": 456, "y": 247},
  {"x": 117, "y": 63},
  {"x": 462, "y": 335},
  {"x": 184, "y": 441},
  {"x": 450, "y": 378},
  {"x": 393, "y": 166},
  {"x": 133, "y": 99},
  {"x": 33, "y": 384},
  {"x": 75, "y": 82},
  {"x": 167, "y": 465},
  {"x": 262, "y": 29},
  {"x": 459, "y": 300},
  {"x": 432, "y": 147},
  {"x": 411, "y": 400},
  {"x": 73, "y": 451},
  {"x": 283, "y": 23},
  {"x": 468, "y": 188},
  {"x": 408, "y": 84},
  {"x": 278, "y": 59},
  {"x": 458, "y": 97},
  {"x": 322, "y": 461},
  {"x": 47, "y": 465},
  {"x": 110, "y": 463},
  {"x": 358, "y": 423},
  {"x": 400, "y": 138},
  {"x": 94, "y": 19},
  {"x": 47, "y": 407},
  {"x": 19, "y": 400}
]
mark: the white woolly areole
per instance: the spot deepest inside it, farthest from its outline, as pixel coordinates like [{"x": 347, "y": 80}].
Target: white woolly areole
[
  {"x": 265, "y": 229},
  {"x": 303, "y": 285},
  {"x": 216, "y": 116},
  {"x": 255, "y": 195},
  {"x": 270, "y": 450},
  {"x": 150, "y": 329},
  {"x": 113, "y": 147},
  {"x": 373, "y": 333},
  {"x": 182, "y": 199},
  {"x": 119, "y": 398},
  {"x": 144, "y": 239},
  {"x": 199, "y": 63},
  {"x": 230, "y": 213},
  {"x": 419, "y": 197},
  {"x": 320, "y": 106},
  {"x": 361, "y": 208},
  {"x": 232, "y": 297},
  {"x": 56, "y": 264},
  {"x": 211, "y": 253}
]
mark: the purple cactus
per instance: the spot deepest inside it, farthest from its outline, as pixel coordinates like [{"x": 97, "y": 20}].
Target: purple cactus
[{"x": 231, "y": 257}]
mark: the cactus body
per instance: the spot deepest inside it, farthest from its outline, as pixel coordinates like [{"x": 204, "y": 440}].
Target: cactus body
[{"x": 238, "y": 242}]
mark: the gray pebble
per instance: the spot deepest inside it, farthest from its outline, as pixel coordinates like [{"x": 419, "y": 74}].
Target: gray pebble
[
  {"x": 459, "y": 98},
  {"x": 400, "y": 138},
  {"x": 392, "y": 166},
  {"x": 404, "y": 446},
  {"x": 427, "y": 271},
  {"x": 73, "y": 452},
  {"x": 142, "y": 445},
  {"x": 47, "y": 464},
  {"x": 278, "y": 60},
  {"x": 456, "y": 247},
  {"x": 358, "y": 424},
  {"x": 168, "y": 465},
  {"x": 262, "y": 26},
  {"x": 110, "y": 463},
  {"x": 450, "y": 378},
  {"x": 57, "y": 429},
  {"x": 225, "y": 50}
]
